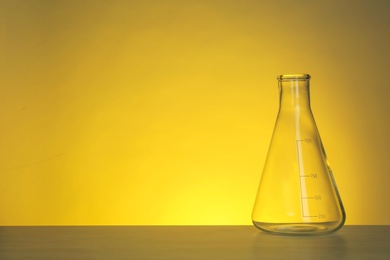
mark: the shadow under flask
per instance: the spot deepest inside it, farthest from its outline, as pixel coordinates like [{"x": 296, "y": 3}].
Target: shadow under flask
[{"x": 297, "y": 194}]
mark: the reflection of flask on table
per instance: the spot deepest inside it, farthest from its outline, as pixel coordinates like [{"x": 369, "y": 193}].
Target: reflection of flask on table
[{"x": 297, "y": 193}]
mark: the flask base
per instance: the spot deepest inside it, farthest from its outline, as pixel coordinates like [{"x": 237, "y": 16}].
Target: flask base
[{"x": 299, "y": 229}]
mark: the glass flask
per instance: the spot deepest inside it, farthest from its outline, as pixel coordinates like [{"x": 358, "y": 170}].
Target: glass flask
[{"x": 297, "y": 194}]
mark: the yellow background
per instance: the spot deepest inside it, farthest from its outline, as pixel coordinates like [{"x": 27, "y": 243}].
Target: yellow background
[{"x": 161, "y": 112}]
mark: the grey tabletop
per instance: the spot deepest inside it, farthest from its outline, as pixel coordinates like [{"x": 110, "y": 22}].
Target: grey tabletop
[{"x": 188, "y": 242}]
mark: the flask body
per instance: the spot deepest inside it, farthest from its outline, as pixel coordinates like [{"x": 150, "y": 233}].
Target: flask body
[{"x": 297, "y": 194}]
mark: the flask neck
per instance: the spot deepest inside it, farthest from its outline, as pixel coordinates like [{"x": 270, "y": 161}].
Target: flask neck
[{"x": 294, "y": 94}]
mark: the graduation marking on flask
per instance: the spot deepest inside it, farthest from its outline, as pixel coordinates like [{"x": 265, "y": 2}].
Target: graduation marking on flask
[{"x": 302, "y": 182}]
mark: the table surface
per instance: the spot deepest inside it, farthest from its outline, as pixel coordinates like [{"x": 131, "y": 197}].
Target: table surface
[{"x": 188, "y": 242}]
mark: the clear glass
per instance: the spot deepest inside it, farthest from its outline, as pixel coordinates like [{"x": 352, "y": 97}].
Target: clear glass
[{"x": 297, "y": 193}]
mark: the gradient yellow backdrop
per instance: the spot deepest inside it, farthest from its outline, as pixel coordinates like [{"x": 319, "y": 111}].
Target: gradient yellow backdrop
[{"x": 161, "y": 112}]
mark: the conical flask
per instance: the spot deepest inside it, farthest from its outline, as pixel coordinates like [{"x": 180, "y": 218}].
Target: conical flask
[{"x": 297, "y": 194}]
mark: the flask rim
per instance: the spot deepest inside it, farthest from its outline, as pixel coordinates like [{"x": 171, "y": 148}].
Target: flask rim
[{"x": 293, "y": 77}]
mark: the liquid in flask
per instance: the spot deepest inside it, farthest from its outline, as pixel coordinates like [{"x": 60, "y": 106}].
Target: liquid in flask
[{"x": 297, "y": 194}]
